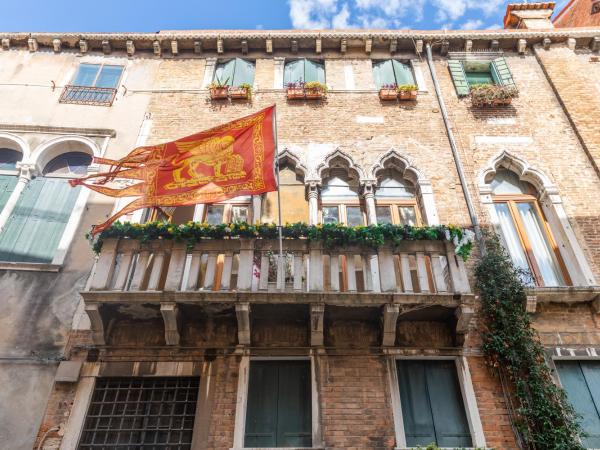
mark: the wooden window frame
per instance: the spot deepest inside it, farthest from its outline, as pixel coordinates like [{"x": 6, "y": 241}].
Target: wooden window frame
[
  {"x": 100, "y": 68},
  {"x": 511, "y": 200},
  {"x": 395, "y": 204},
  {"x": 228, "y": 211},
  {"x": 342, "y": 211}
]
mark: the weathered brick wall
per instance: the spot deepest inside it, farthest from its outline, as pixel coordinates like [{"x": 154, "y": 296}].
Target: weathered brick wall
[{"x": 579, "y": 14}]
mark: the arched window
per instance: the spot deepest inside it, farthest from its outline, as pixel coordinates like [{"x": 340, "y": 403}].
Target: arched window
[
  {"x": 8, "y": 179},
  {"x": 391, "y": 71},
  {"x": 395, "y": 200},
  {"x": 340, "y": 201},
  {"x": 39, "y": 218},
  {"x": 524, "y": 230},
  {"x": 294, "y": 207},
  {"x": 234, "y": 72},
  {"x": 303, "y": 70}
]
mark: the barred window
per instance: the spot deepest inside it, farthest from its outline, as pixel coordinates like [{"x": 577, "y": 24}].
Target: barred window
[{"x": 141, "y": 413}]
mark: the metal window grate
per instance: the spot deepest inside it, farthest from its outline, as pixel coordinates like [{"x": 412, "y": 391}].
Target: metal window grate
[
  {"x": 88, "y": 95},
  {"x": 141, "y": 413}
]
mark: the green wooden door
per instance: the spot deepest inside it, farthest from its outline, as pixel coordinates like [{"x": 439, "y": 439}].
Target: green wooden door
[
  {"x": 7, "y": 186},
  {"x": 581, "y": 380},
  {"x": 37, "y": 223},
  {"x": 279, "y": 405},
  {"x": 432, "y": 406}
]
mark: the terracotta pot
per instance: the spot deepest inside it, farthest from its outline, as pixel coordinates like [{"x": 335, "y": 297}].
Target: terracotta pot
[
  {"x": 239, "y": 93},
  {"x": 314, "y": 94},
  {"x": 219, "y": 93},
  {"x": 295, "y": 93},
  {"x": 388, "y": 94},
  {"x": 407, "y": 95}
]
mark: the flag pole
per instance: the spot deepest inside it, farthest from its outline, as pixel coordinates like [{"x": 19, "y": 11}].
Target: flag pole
[{"x": 280, "y": 227}]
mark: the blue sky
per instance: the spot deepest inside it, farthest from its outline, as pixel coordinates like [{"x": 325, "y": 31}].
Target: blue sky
[{"x": 154, "y": 15}]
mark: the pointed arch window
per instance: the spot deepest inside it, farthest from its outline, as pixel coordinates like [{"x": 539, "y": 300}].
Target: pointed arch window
[
  {"x": 340, "y": 201},
  {"x": 395, "y": 200},
  {"x": 524, "y": 230}
]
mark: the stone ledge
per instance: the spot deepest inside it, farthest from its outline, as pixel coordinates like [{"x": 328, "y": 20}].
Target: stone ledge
[
  {"x": 564, "y": 294},
  {"x": 32, "y": 267}
]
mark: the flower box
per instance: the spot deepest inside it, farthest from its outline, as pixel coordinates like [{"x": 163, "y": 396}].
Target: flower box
[
  {"x": 386, "y": 94},
  {"x": 314, "y": 93},
  {"x": 491, "y": 95},
  {"x": 239, "y": 93},
  {"x": 295, "y": 93},
  {"x": 219, "y": 93},
  {"x": 407, "y": 95}
]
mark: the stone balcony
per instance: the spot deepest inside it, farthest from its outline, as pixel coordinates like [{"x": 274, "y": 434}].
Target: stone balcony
[{"x": 417, "y": 280}]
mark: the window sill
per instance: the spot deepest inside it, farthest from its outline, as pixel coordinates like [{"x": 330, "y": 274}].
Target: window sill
[{"x": 30, "y": 267}]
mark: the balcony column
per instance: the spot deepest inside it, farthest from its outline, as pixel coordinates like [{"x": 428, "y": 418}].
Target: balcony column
[
  {"x": 313, "y": 202},
  {"x": 373, "y": 260},
  {"x": 26, "y": 173}
]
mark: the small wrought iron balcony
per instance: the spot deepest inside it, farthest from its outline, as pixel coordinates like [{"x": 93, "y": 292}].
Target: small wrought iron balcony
[{"x": 87, "y": 95}]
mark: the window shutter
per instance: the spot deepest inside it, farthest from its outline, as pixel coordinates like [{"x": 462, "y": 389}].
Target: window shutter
[
  {"x": 581, "y": 382},
  {"x": 458, "y": 77},
  {"x": 416, "y": 409},
  {"x": 7, "y": 186},
  {"x": 502, "y": 72},
  {"x": 261, "y": 411},
  {"x": 451, "y": 426},
  {"x": 403, "y": 73},
  {"x": 294, "y": 424},
  {"x": 244, "y": 72},
  {"x": 293, "y": 72},
  {"x": 224, "y": 72},
  {"x": 38, "y": 221},
  {"x": 383, "y": 73},
  {"x": 314, "y": 71}
]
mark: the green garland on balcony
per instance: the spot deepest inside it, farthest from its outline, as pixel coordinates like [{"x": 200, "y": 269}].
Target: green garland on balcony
[
  {"x": 332, "y": 235},
  {"x": 544, "y": 417}
]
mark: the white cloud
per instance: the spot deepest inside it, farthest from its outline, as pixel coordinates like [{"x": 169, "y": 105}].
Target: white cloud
[
  {"x": 473, "y": 24},
  {"x": 392, "y": 13}
]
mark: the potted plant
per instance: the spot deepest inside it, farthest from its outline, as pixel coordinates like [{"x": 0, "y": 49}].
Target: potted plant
[
  {"x": 315, "y": 90},
  {"x": 241, "y": 92},
  {"x": 295, "y": 90},
  {"x": 407, "y": 92},
  {"x": 388, "y": 92},
  {"x": 483, "y": 95},
  {"x": 218, "y": 90}
]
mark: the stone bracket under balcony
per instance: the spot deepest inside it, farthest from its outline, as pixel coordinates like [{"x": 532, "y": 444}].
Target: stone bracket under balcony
[{"x": 563, "y": 295}]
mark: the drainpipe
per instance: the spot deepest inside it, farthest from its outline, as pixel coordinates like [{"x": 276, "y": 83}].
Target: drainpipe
[{"x": 457, "y": 160}]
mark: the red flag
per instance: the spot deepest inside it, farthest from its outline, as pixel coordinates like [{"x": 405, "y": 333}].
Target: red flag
[{"x": 211, "y": 166}]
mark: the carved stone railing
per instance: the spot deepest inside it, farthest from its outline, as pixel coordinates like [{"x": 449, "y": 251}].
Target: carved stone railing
[{"x": 253, "y": 265}]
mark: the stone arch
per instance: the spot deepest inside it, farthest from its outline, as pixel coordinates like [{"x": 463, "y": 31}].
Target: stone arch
[
  {"x": 14, "y": 142},
  {"x": 521, "y": 168},
  {"x": 289, "y": 158},
  {"x": 338, "y": 159},
  {"x": 49, "y": 150}
]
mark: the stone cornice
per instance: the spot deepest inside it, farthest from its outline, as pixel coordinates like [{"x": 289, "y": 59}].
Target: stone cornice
[{"x": 269, "y": 41}]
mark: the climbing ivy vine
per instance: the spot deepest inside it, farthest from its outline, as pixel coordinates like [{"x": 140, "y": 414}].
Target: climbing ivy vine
[{"x": 544, "y": 417}]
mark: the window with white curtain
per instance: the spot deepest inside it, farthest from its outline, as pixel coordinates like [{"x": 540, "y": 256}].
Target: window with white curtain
[
  {"x": 340, "y": 202},
  {"x": 303, "y": 70},
  {"x": 524, "y": 231},
  {"x": 235, "y": 72}
]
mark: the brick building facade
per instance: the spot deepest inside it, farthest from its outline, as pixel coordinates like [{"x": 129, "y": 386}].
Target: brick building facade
[{"x": 204, "y": 348}]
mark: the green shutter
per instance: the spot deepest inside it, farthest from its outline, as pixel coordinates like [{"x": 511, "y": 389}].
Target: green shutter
[
  {"x": 581, "y": 381},
  {"x": 403, "y": 73},
  {"x": 314, "y": 71},
  {"x": 244, "y": 72},
  {"x": 37, "y": 223},
  {"x": 224, "y": 72},
  {"x": 278, "y": 411},
  {"x": 383, "y": 73},
  {"x": 502, "y": 72},
  {"x": 432, "y": 406},
  {"x": 261, "y": 410},
  {"x": 293, "y": 72},
  {"x": 458, "y": 76},
  {"x": 7, "y": 186}
]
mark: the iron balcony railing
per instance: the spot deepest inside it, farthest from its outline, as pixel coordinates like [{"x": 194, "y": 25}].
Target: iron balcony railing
[{"x": 87, "y": 95}]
